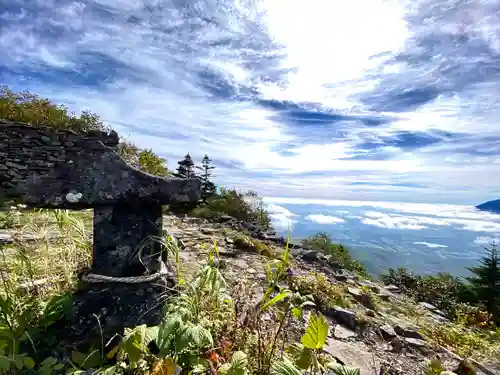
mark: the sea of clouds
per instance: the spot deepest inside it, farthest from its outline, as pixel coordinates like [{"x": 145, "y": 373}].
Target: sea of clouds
[{"x": 424, "y": 237}]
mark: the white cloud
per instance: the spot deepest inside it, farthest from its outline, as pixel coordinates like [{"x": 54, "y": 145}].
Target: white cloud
[
  {"x": 281, "y": 217},
  {"x": 393, "y": 222},
  {"x": 430, "y": 245},
  {"x": 324, "y": 219},
  {"x": 190, "y": 79},
  {"x": 432, "y": 210},
  {"x": 486, "y": 240},
  {"x": 399, "y": 221},
  {"x": 410, "y": 216}
]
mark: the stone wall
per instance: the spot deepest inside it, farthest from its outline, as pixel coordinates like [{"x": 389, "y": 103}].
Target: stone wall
[
  {"x": 27, "y": 151},
  {"x": 42, "y": 167}
]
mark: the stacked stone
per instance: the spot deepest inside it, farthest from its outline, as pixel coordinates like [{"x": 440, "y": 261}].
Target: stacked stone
[{"x": 27, "y": 150}]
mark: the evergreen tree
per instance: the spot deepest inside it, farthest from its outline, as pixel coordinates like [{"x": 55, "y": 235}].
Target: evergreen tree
[
  {"x": 186, "y": 167},
  {"x": 207, "y": 186},
  {"x": 486, "y": 282}
]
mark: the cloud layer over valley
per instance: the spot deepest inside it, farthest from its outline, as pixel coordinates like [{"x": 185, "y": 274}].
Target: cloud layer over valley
[{"x": 426, "y": 238}]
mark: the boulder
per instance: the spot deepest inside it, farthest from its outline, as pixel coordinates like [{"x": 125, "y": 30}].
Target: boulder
[
  {"x": 310, "y": 255},
  {"x": 387, "y": 332},
  {"x": 408, "y": 332},
  {"x": 342, "y": 316}
]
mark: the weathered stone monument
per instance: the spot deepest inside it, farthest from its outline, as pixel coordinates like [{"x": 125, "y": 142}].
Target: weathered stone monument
[{"x": 62, "y": 169}]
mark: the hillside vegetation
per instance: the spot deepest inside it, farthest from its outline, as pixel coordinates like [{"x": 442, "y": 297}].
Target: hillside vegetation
[{"x": 245, "y": 304}]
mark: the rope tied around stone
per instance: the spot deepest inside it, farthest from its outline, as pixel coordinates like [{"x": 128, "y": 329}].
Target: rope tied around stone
[{"x": 93, "y": 278}]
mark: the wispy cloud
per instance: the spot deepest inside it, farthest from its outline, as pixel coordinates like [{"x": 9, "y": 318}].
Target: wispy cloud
[
  {"x": 486, "y": 240},
  {"x": 324, "y": 219},
  {"x": 430, "y": 245},
  {"x": 399, "y": 215},
  {"x": 288, "y": 100}
]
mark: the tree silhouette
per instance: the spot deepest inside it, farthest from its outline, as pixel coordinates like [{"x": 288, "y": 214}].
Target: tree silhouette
[
  {"x": 185, "y": 168},
  {"x": 486, "y": 281},
  {"x": 207, "y": 187}
]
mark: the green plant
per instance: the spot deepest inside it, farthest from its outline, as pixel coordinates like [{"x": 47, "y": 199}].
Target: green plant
[
  {"x": 12, "y": 217},
  {"x": 324, "y": 293},
  {"x": 246, "y": 207},
  {"x": 434, "y": 367},
  {"x": 323, "y": 242},
  {"x": 443, "y": 290},
  {"x": 237, "y": 366},
  {"x": 185, "y": 168},
  {"x": 23, "y": 326},
  {"x": 306, "y": 353},
  {"x": 486, "y": 282},
  {"x": 208, "y": 188},
  {"x": 151, "y": 163},
  {"x": 191, "y": 320},
  {"x": 251, "y": 244}
]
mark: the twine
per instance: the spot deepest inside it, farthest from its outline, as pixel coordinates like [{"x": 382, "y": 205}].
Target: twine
[{"x": 94, "y": 278}]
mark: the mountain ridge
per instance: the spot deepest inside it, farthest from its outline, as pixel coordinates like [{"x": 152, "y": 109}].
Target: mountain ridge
[{"x": 490, "y": 206}]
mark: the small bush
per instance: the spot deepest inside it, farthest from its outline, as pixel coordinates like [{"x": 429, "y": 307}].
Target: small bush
[
  {"x": 233, "y": 203},
  {"x": 324, "y": 292},
  {"x": 324, "y": 243},
  {"x": 442, "y": 290},
  {"x": 251, "y": 244}
]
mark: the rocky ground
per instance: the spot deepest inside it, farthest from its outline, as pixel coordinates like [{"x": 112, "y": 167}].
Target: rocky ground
[
  {"x": 375, "y": 333},
  {"x": 378, "y": 329}
]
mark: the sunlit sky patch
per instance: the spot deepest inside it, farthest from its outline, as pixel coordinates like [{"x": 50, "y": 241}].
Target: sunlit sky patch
[{"x": 376, "y": 100}]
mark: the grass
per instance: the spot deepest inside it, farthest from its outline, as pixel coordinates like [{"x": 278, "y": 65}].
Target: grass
[{"x": 38, "y": 277}]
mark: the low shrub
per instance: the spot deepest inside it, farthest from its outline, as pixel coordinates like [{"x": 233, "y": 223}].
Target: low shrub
[
  {"x": 245, "y": 207},
  {"x": 323, "y": 242},
  {"x": 442, "y": 290},
  {"x": 325, "y": 294},
  {"x": 251, "y": 244}
]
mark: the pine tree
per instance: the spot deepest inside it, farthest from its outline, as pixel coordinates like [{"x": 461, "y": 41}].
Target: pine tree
[
  {"x": 207, "y": 186},
  {"x": 486, "y": 282},
  {"x": 185, "y": 168}
]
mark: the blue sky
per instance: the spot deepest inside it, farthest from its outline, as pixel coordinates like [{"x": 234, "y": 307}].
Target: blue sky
[{"x": 374, "y": 100}]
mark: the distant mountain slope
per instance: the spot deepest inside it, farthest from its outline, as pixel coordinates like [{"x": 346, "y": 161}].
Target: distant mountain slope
[{"x": 491, "y": 206}]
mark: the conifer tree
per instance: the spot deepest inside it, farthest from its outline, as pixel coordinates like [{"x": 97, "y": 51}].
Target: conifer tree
[
  {"x": 207, "y": 186},
  {"x": 186, "y": 167},
  {"x": 486, "y": 281}
]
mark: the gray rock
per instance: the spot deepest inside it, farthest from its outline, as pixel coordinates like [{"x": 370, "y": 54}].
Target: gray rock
[
  {"x": 387, "y": 332},
  {"x": 310, "y": 255},
  {"x": 392, "y": 288},
  {"x": 416, "y": 343},
  {"x": 5, "y": 238},
  {"x": 241, "y": 263},
  {"x": 297, "y": 252},
  {"x": 408, "y": 332},
  {"x": 224, "y": 252},
  {"x": 343, "y": 275},
  {"x": 294, "y": 244},
  {"x": 342, "y": 316},
  {"x": 208, "y": 230},
  {"x": 427, "y": 306},
  {"x": 374, "y": 287},
  {"x": 353, "y": 354},
  {"x": 343, "y": 333}
]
